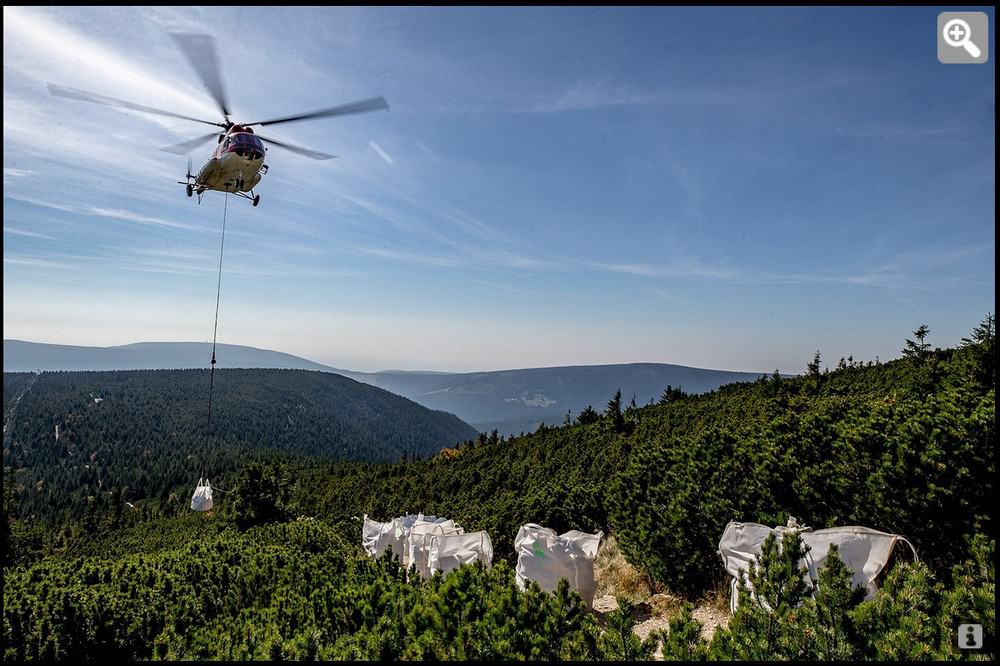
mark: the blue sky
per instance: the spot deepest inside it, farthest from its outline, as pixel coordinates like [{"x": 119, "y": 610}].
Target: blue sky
[{"x": 723, "y": 188}]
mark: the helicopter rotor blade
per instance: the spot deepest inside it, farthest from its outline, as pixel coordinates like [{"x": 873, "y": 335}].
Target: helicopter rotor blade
[
  {"x": 83, "y": 95},
  {"x": 200, "y": 52},
  {"x": 188, "y": 146},
  {"x": 296, "y": 149},
  {"x": 362, "y": 106}
]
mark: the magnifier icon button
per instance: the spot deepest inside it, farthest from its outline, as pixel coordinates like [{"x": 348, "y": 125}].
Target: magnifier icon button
[{"x": 956, "y": 33}]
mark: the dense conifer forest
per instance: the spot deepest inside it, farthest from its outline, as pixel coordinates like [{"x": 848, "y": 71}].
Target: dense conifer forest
[
  {"x": 76, "y": 434},
  {"x": 905, "y": 446}
]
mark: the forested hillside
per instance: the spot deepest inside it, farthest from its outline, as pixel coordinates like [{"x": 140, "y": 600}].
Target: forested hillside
[
  {"x": 904, "y": 447},
  {"x": 148, "y": 430}
]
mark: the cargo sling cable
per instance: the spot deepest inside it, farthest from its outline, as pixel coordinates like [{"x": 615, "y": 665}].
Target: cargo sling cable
[
  {"x": 218, "y": 292},
  {"x": 215, "y": 331}
]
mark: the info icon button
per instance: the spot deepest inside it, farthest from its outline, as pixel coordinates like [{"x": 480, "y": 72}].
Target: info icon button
[
  {"x": 970, "y": 636},
  {"x": 963, "y": 38}
]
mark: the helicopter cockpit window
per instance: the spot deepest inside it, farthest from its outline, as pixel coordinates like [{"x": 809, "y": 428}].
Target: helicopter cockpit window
[{"x": 247, "y": 146}]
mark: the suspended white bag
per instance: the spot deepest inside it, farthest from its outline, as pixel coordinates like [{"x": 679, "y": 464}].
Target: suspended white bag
[
  {"x": 202, "y": 498},
  {"x": 450, "y": 551},
  {"x": 545, "y": 557},
  {"x": 865, "y": 551}
]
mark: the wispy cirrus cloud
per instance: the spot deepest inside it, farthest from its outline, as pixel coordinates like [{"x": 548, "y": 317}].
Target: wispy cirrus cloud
[
  {"x": 381, "y": 153},
  {"x": 689, "y": 268},
  {"x": 35, "y": 262},
  {"x": 888, "y": 131},
  {"x": 884, "y": 277},
  {"x": 112, "y": 213},
  {"x": 411, "y": 257},
  {"x": 596, "y": 94},
  {"x": 130, "y": 216},
  {"x": 54, "y": 205},
  {"x": 28, "y": 233},
  {"x": 48, "y": 47},
  {"x": 428, "y": 152},
  {"x": 505, "y": 287}
]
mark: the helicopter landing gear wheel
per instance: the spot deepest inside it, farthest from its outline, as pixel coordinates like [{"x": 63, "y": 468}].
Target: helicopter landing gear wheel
[
  {"x": 256, "y": 200},
  {"x": 190, "y": 191}
]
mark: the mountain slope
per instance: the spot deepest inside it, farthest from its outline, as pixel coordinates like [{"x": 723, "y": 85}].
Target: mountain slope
[
  {"x": 78, "y": 432},
  {"x": 512, "y": 401}
]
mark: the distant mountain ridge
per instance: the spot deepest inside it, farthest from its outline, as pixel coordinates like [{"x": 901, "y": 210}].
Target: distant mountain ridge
[
  {"x": 21, "y": 356},
  {"x": 511, "y": 401}
]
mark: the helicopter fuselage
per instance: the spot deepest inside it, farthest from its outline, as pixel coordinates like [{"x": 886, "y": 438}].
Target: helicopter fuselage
[{"x": 236, "y": 165}]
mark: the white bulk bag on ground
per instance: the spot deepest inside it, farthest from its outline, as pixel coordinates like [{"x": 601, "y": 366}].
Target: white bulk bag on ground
[
  {"x": 865, "y": 551},
  {"x": 419, "y": 541},
  {"x": 402, "y": 526},
  {"x": 450, "y": 551},
  {"x": 202, "y": 498},
  {"x": 378, "y": 537},
  {"x": 371, "y": 530},
  {"x": 394, "y": 535},
  {"x": 546, "y": 557}
]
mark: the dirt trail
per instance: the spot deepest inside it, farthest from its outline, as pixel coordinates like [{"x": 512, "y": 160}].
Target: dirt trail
[
  {"x": 8, "y": 418},
  {"x": 655, "y": 613},
  {"x": 614, "y": 575}
]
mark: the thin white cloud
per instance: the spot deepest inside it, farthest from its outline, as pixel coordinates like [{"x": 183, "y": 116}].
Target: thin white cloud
[
  {"x": 666, "y": 295},
  {"x": 685, "y": 268},
  {"x": 428, "y": 152},
  {"x": 505, "y": 287},
  {"x": 83, "y": 141},
  {"x": 121, "y": 214},
  {"x": 645, "y": 270},
  {"x": 596, "y": 94},
  {"x": 67, "y": 208},
  {"x": 886, "y": 131},
  {"x": 694, "y": 269},
  {"x": 412, "y": 257},
  {"x": 65, "y": 50},
  {"x": 381, "y": 153},
  {"x": 35, "y": 262},
  {"x": 112, "y": 213},
  {"x": 25, "y": 232}
]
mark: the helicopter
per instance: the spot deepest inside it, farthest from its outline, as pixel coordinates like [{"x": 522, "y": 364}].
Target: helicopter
[{"x": 237, "y": 163}]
